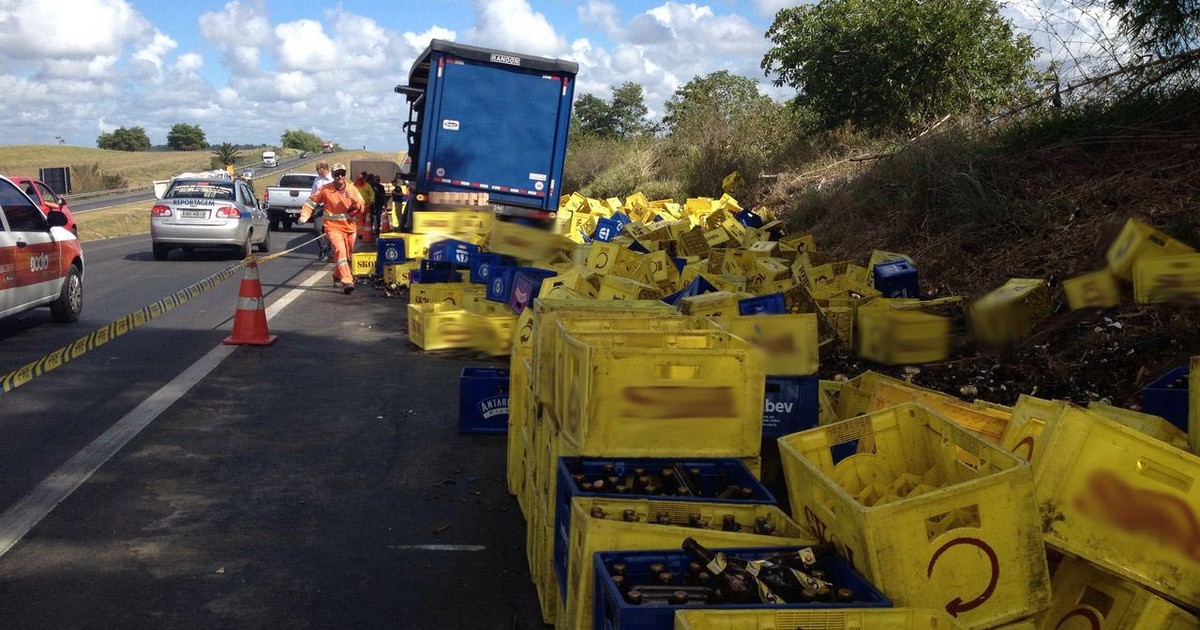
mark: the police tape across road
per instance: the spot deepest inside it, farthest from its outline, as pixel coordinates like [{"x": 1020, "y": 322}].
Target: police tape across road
[{"x": 122, "y": 325}]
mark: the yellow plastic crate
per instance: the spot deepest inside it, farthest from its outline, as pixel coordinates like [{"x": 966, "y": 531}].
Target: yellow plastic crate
[
  {"x": 415, "y": 245},
  {"x": 789, "y": 342},
  {"x": 539, "y": 545},
  {"x": 717, "y": 304},
  {"x": 1167, "y": 279},
  {"x": 400, "y": 274},
  {"x": 440, "y": 223},
  {"x": 928, "y": 512},
  {"x": 1087, "y": 597},
  {"x": 1114, "y": 496},
  {"x": 363, "y": 263},
  {"x": 658, "y": 394},
  {"x": 589, "y": 535},
  {"x": 543, "y": 329},
  {"x": 902, "y": 337},
  {"x": 1136, "y": 241},
  {"x": 615, "y": 287},
  {"x": 1008, "y": 314},
  {"x": 517, "y": 444},
  {"x": 439, "y": 327},
  {"x": 824, "y": 619},
  {"x": 1194, "y": 405},
  {"x": 447, "y": 293},
  {"x": 1097, "y": 289},
  {"x": 1150, "y": 424},
  {"x": 986, "y": 421}
]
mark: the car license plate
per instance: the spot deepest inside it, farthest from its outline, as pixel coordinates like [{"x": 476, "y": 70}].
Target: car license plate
[{"x": 193, "y": 214}]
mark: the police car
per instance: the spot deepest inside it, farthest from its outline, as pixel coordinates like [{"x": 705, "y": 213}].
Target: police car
[{"x": 41, "y": 262}]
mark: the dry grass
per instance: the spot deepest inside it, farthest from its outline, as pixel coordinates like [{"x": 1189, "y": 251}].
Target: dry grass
[{"x": 138, "y": 168}]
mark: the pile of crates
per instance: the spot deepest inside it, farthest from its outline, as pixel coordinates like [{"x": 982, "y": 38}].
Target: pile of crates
[{"x": 654, "y": 335}]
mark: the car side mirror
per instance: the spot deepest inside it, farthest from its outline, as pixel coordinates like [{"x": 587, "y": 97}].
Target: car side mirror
[{"x": 56, "y": 218}]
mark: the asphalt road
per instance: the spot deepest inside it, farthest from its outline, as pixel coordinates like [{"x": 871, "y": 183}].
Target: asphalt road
[{"x": 319, "y": 482}]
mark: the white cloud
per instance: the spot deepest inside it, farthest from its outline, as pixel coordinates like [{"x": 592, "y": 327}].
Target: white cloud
[
  {"x": 304, "y": 46},
  {"x": 1076, "y": 38},
  {"x": 35, "y": 29},
  {"x": 600, "y": 15},
  {"x": 513, "y": 25},
  {"x": 768, "y": 8},
  {"x": 240, "y": 31}
]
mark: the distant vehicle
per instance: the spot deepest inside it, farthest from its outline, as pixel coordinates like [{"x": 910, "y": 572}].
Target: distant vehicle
[
  {"x": 48, "y": 200},
  {"x": 41, "y": 262},
  {"x": 326, "y": 147},
  {"x": 209, "y": 209},
  {"x": 491, "y": 124},
  {"x": 283, "y": 202},
  {"x": 269, "y": 160},
  {"x": 304, "y": 154}
]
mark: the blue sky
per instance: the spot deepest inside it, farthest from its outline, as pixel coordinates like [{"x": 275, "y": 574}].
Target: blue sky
[{"x": 247, "y": 70}]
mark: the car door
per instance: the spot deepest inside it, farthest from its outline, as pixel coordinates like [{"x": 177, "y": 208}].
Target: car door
[
  {"x": 8, "y": 276},
  {"x": 249, "y": 202},
  {"x": 32, "y": 260},
  {"x": 50, "y": 199}
]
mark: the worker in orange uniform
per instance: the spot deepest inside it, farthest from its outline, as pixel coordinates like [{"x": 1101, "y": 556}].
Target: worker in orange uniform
[{"x": 343, "y": 203}]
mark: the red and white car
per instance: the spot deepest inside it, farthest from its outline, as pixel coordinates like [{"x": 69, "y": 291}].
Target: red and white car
[
  {"x": 47, "y": 199},
  {"x": 41, "y": 262}
]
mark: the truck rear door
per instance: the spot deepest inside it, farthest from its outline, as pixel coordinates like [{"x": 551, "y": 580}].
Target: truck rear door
[{"x": 493, "y": 128}]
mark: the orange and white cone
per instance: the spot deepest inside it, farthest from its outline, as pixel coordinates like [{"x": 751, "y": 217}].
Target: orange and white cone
[{"x": 250, "y": 319}]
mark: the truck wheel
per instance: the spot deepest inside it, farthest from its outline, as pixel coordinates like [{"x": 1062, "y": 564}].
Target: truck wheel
[
  {"x": 287, "y": 225},
  {"x": 69, "y": 304},
  {"x": 161, "y": 251}
]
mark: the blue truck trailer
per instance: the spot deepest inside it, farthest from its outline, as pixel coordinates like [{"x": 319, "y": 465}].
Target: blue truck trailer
[{"x": 487, "y": 127}]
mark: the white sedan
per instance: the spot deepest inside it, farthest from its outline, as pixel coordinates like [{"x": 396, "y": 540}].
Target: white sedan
[{"x": 209, "y": 210}]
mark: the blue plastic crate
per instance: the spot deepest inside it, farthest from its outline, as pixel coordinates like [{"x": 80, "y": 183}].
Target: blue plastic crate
[
  {"x": 790, "y": 405},
  {"x": 897, "y": 279},
  {"x": 483, "y": 400},
  {"x": 499, "y": 287},
  {"x": 697, "y": 286},
  {"x": 749, "y": 219},
  {"x": 607, "y": 229},
  {"x": 1167, "y": 397},
  {"x": 388, "y": 251},
  {"x": 763, "y": 305},
  {"x": 432, "y": 271},
  {"x": 716, "y": 474},
  {"x": 481, "y": 264},
  {"x": 611, "y": 612},
  {"x": 526, "y": 284},
  {"x": 455, "y": 252}
]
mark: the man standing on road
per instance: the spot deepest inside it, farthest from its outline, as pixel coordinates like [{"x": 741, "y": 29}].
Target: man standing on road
[
  {"x": 323, "y": 177},
  {"x": 342, "y": 205}
]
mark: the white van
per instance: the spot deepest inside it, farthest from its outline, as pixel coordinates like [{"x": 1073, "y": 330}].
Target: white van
[{"x": 269, "y": 159}]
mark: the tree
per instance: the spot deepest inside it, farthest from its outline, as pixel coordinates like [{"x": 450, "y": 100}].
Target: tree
[
  {"x": 719, "y": 95},
  {"x": 883, "y": 64},
  {"x": 629, "y": 110},
  {"x": 299, "y": 139},
  {"x": 1159, "y": 26},
  {"x": 623, "y": 117},
  {"x": 185, "y": 137},
  {"x": 592, "y": 116},
  {"x": 226, "y": 153},
  {"x": 122, "y": 139}
]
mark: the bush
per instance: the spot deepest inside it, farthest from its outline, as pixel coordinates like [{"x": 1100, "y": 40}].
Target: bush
[{"x": 89, "y": 178}]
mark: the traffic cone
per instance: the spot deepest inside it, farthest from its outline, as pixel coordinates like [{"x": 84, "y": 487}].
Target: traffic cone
[{"x": 250, "y": 319}]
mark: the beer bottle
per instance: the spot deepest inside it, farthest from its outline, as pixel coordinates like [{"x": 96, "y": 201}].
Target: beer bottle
[
  {"x": 578, "y": 478},
  {"x": 609, "y": 469},
  {"x": 843, "y": 595},
  {"x": 634, "y": 596},
  {"x": 678, "y": 598},
  {"x": 665, "y": 577},
  {"x": 734, "y": 584},
  {"x": 599, "y": 486},
  {"x": 692, "y": 577},
  {"x": 763, "y": 526},
  {"x": 657, "y": 567},
  {"x": 670, "y": 485},
  {"x": 663, "y": 518},
  {"x": 695, "y": 520},
  {"x": 640, "y": 483},
  {"x": 629, "y": 516},
  {"x": 619, "y": 582},
  {"x": 598, "y": 512},
  {"x": 612, "y": 480},
  {"x": 729, "y": 523},
  {"x": 586, "y": 486},
  {"x": 621, "y": 488},
  {"x": 618, "y": 568},
  {"x": 651, "y": 489}
]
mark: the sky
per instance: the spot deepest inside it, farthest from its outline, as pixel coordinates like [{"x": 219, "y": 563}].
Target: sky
[{"x": 245, "y": 71}]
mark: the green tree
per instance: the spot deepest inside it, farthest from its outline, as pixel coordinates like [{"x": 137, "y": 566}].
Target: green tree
[
  {"x": 592, "y": 116},
  {"x": 226, "y": 153},
  {"x": 1159, "y": 26},
  {"x": 628, "y": 106},
  {"x": 882, "y": 64},
  {"x": 624, "y": 116},
  {"x": 185, "y": 137},
  {"x": 719, "y": 96},
  {"x": 124, "y": 139},
  {"x": 299, "y": 139}
]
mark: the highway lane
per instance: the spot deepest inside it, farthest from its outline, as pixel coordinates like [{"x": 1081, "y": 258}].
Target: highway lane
[
  {"x": 56, "y": 414},
  {"x": 316, "y": 483}
]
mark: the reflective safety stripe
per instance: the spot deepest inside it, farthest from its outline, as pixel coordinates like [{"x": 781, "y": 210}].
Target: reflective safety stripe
[
  {"x": 250, "y": 303},
  {"x": 342, "y": 261},
  {"x": 337, "y": 217}
]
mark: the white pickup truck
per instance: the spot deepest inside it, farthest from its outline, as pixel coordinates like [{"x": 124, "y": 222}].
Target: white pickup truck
[{"x": 284, "y": 200}]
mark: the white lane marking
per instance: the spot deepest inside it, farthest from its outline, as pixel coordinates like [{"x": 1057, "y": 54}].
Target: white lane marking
[
  {"x": 437, "y": 547},
  {"x": 23, "y": 515}
]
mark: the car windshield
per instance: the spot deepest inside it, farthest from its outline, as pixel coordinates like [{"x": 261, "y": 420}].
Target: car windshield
[{"x": 201, "y": 190}]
